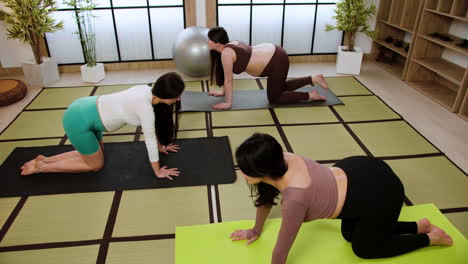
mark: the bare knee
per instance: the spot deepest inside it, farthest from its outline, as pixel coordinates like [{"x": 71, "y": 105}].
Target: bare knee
[{"x": 97, "y": 166}]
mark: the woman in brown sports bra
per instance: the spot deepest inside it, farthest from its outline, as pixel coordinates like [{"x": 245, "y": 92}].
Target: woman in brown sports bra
[
  {"x": 264, "y": 60},
  {"x": 362, "y": 191}
]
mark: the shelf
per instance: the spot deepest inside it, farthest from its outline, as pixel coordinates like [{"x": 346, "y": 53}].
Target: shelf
[
  {"x": 409, "y": 30},
  {"x": 396, "y": 69},
  {"x": 446, "y": 69},
  {"x": 446, "y": 14},
  {"x": 442, "y": 95},
  {"x": 392, "y": 47},
  {"x": 451, "y": 45}
]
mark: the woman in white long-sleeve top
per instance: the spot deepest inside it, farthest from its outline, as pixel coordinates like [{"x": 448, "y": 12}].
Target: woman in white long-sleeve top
[{"x": 87, "y": 118}]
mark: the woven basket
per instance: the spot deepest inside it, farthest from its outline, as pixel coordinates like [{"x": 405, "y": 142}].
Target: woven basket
[{"x": 11, "y": 91}]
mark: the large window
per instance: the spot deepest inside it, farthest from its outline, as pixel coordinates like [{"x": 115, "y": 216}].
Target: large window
[
  {"x": 126, "y": 30},
  {"x": 297, "y": 25}
]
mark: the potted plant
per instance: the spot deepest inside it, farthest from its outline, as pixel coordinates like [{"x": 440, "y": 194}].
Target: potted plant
[
  {"x": 28, "y": 22},
  {"x": 90, "y": 72},
  {"x": 351, "y": 17}
]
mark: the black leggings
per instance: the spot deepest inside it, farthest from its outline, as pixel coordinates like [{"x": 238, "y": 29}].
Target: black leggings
[
  {"x": 372, "y": 206},
  {"x": 280, "y": 90}
]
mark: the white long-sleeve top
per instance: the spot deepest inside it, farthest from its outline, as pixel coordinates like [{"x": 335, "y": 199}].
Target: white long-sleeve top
[{"x": 132, "y": 106}]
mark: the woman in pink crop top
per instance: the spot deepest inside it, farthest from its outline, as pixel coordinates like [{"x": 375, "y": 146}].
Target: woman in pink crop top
[
  {"x": 264, "y": 60},
  {"x": 362, "y": 191}
]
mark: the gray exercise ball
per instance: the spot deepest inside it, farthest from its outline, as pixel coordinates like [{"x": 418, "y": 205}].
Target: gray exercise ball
[{"x": 190, "y": 51}]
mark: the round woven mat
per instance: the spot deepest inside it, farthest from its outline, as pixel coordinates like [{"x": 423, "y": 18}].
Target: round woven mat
[{"x": 11, "y": 91}]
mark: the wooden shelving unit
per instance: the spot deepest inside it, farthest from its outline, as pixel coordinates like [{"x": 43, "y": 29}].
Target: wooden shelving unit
[
  {"x": 434, "y": 76},
  {"x": 395, "y": 19}
]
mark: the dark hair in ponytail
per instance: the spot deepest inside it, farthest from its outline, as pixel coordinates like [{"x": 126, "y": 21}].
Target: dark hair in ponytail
[
  {"x": 168, "y": 86},
  {"x": 217, "y": 35},
  {"x": 262, "y": 156}
]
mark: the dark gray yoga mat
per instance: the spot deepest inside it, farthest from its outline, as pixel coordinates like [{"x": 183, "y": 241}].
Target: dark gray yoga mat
[
  {"x": 250, "y": 99},
  {"x": 201, "y": 161}
]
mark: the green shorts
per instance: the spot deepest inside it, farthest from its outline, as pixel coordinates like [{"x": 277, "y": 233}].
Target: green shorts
[{"x": 83, "y": 125}]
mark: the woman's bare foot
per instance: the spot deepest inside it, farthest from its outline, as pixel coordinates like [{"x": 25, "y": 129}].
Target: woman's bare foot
[
  {"x": 319, "y": 80},
  {"x": 438, "y": 237},
  {"x": 32, "y": 168},
  {"x": 424, "y": 226},
  {"x": 316, "y": 96},
  {"x": 31, "y": 162}
]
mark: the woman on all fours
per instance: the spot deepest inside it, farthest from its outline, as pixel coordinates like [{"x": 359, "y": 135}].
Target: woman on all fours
[
  {"x": 87, "y": 118},
  {"x": 362, "y": 191},
  {"x": 264, "y": 60}
]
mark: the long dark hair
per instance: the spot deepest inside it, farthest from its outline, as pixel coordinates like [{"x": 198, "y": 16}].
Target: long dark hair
[
  {"x": 262, "y": 156},
  {"x": 168, "y": 86},
  {"x": 217, "y": 35}
]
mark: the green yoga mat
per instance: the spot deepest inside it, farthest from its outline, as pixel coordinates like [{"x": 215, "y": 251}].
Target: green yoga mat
[{"x": 319, "y": 241}]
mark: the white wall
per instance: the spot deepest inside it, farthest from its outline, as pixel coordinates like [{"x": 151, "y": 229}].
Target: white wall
[
  {"x": 459, "y": 29},
  {"x": 201, "y": 13},
  {"x": 362, "y": 40},
  {"x": 12, "y": 52}
]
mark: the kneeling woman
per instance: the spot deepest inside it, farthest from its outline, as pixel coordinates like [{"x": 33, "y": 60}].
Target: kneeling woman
[
  {"x": 87, "y": 118},
  {"x": 362, "y": 191}
]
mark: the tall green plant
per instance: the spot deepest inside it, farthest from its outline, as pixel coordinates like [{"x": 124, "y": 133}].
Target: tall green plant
[
  {"x": 351, "y": 17},
  {"x": 85, "y": 21},
  {"x": 29, "y": 20}
]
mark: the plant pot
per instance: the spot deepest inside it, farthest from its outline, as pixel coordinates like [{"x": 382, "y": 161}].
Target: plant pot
[
  {"x": 43, "y": 74},
  {"x": 93, "y": 74},
  {"x": 349, "y": 62}
]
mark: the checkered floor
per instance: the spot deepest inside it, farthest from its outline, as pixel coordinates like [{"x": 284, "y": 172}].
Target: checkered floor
[{"x": 139, "y": 226}]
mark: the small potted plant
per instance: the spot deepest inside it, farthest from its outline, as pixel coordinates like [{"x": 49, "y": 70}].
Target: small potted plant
[
  {"x": 351, "y": 17},
  {"x": 28, "y": 22},
  {"x": 92, "y": 71}
]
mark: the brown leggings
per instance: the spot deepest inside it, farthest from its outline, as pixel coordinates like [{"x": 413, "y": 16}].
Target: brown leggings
[{"x": 280, "y": 90}]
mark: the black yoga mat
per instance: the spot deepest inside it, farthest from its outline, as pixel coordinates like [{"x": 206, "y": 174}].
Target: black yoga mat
[
  {"x": 250, "y": 99},
  {"x": 201, "y": 161}
]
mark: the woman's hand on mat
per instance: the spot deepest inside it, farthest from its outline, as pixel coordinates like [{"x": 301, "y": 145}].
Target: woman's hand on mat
[
  {"x": 221, "y": 106},
  {"x": 169, "y": 148},
  {"x": 217, "y": 93},
  {"x": 165, "y": 172},
  {"x": 243, "y": 234}
]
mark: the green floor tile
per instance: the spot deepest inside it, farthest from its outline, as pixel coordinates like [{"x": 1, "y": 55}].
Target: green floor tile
[
  {"x": 6, "y": 207},
  {"x": 346, "y": 85},
  {"x": 37, "y": 124},
  {"x": 240, "y": 84},
  {"x": 239, "y": 135},
  {"x": 59, "y": 97},
  {"x": 108, "y": 89},
  {"x": 7, "y": 147},
  {"x": 60, "y": 218},
  {"x": 185, "y": 134},
  {"x": 460, "y": 221},
  {"x": 432, "y": 180},
  {"x": 192, "y": 121},
  {"x": 153, "y": 251},
  {"x": 195, "y": 86},
  {"x": 245, "y": 84},
  {"x": 191, "y": 134},
  {"x": 242, "y": 118},
  {"x": 69, "y": 255},
  {"x": 364, "y": 108},
  {"x": 296, "y": 115},
  {"x": 109, "y": 139},
  {"x": 159, "y": 211},
  {"x": 392, "y": 139},
  {"x": 322, "y": 142},
  {"x": 124, "y": 129},
  {"x": 236, "y": 202}
]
